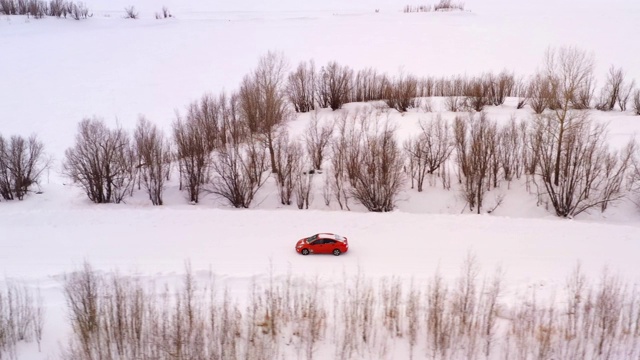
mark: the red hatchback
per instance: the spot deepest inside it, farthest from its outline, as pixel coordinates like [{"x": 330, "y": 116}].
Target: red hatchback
[{"x": 323, "y": 243}]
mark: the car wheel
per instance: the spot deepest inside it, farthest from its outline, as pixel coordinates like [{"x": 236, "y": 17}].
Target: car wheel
[
  {"x": 305, "y": 251},
  {"x": 336, "y": 252}
]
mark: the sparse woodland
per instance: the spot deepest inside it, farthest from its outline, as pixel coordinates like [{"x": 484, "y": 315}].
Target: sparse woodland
[{"x": 229, "y": 145}]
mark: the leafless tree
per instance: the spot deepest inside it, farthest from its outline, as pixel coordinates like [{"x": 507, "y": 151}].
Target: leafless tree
[
  {"x": 500, "y": 86},
  {"x": 289, "y": 163},
  {"x": 615, "y": 91},
  {"x": 368, "y": 85},
  {"x": 636, "y": 102},
  {"x": 590, "y": 174},
  {"x": 431, "y": 149},
  {"x": 194, "y": 156},
  {"x": 522, "y": 93},
  {"x": 154, "y": 158},
  {"x": 239, "y": 172},
  {"x": 477, "y": 94},
  {"x": 304, "y": 182},
  {"x": 377, "y": 178},
  {"x": 569, "y": 71},
  {"x": 101, "y": 162},
  {"x": 334, "y": 85},
  {"x": 510, "y": 150},
  {"x": 130, "y": 12},
  {"x": 540, "y": 93},
  {"x": 317, "y": 140},
  {"x": 475, "y": 140},
  {"x": 262, "y": 100},
  {"x": 301, "y": 87},
  {"x": 22, "y": 162},
  {"x": 400, "y": 93}
]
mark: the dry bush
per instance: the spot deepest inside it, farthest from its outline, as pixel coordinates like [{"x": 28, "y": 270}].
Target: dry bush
[
  {"x": 154, "y": 158},
  {"x": 101, "y": 162},
  {"x": 301, "y": 90},
  {"x": 636, "y": 102},
  {"x": 289, "y": 156},
  {"x": 510, "y": 149},
  {"x": 131, "y": 12},
  {"x": 368, "y": 85},
  {"x": 417, "y": 8},
  {"x": 238, "y": 172},
  {"x": 454, "y": 103},
  {"x": 76, "y": 11},
  {"x": 57, "y": 8},
  {"x": 262, "y": 100},
  {"x": 500, "y": 86},
  {"x": 334, "y": 85},
  {"x": 304, "y": 182},
  {"x": 476, "y": 95},
  {"x": 22, "y": 163},
  {"x": 400, "y": 93},
  {"x": 343, "y": 141},
  {"x": 475, "y": 142},
  {"x": 430, "y": 150},
  {"x": 37, "y": 8},
  {"x": 317, "y": 140},
  {"x": 21, "y": 318},
  {"x": 8, "y": 7},
  {"x": 540, "y": 93},
  {"x": 615, "y": 91},
  {"x": 193, "y": 155},
  {"x": 580, "y": 172},
  {"x": 448, "y": 5},
  {"x": 165, "y": 14},
  {"x": 374, "y": 165}
]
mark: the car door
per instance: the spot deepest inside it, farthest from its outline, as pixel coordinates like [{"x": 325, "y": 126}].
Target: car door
[
  {"x": 316, "y": 246},
  {"x": 329, "y": 246}
]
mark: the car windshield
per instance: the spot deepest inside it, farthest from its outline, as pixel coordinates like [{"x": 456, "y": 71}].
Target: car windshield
[{"x": 312, "y": 238}]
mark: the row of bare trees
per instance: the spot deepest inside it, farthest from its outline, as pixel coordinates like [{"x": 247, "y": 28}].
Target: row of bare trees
[
  {"x": 39, "y": 8},
  {"x": 334, "y": 85}
]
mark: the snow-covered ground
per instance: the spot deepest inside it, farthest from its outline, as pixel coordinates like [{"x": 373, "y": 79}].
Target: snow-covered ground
[{"x": 55, "y": 72}]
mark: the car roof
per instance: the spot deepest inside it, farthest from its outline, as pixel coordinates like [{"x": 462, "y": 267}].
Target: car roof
[{"x": 330, "y": 236}]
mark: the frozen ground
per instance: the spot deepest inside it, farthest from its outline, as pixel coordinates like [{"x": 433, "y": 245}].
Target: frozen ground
[{"x": 55, "y": 72}]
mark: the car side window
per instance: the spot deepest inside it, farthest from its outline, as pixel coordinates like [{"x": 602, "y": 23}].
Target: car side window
[{"x": 329, "y": 241}]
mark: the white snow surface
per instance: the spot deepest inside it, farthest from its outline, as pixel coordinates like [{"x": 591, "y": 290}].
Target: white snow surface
[{"x": 55, "y": 72}]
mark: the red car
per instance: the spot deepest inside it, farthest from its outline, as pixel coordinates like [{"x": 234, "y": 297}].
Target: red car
[{"x": 323, "y": 243}]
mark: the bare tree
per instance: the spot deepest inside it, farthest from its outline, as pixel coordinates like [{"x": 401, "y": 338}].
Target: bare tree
[
  {"x": 615, "y": 91},
  {"x": 239, "y": 172},
  {"x": 130, "y": 12},
  {"x": 540, "y": 93},
  {"x": 101, "y": 162},
  {"x": 510, "y": 150},
  {"x": 569, "y": 71},
  {"x": 500, "y": 86},
  {"x": 22, "y": 163},
  {"x": 477, "y": 94},
  {"x": 431, "y": 149},
  {"x": 154, "y": 158},
  {"x": 368, "y": 85},
  {"x": 289, "y": 163},
  {"x": 193, "y": 155},
  {"x": 304, "y": 182},
  {"x": 301, "y": 87},
  {"x": 400, "y": 93},
  {"x": 475, "y": 140},
  {"x": 317, "y": 139},
  {"x": 636, "y": 102},
  {"x": 590, "y": 174},
  {"x": 262, "y": 100},
  {"x": 377, "y": 178},
  {"x": 334, "y": 85}
]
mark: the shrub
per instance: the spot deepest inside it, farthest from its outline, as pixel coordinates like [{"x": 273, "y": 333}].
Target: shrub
[
  {"x": 636, "y": 102},
  {"x": 301, "y": 87},
  {"x": 238, "y": 172},
  {"x": 130, "y": 12},
  {"x": 154, "y": 159},
  {"x": 417, "y": 8},
  {"x": 101, "y": 162},
  {"x": 400, "y": 93},
  {"x": 317, "y": 140},
  {"x": 448, "y": 5},
  {"x": 334, "y": 85},
  {"x": 22, "y": 163}
]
